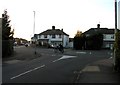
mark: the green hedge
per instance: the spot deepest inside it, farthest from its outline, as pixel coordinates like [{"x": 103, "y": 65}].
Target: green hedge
[
  {"x": 117, "y": 53},
  {"x": 118, "y": 40},
  {"x": 7, "y": 48}
]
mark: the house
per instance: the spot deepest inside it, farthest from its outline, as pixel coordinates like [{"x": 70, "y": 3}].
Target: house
[
  {"x": 20, "y": 41},
  {"x": 70, "y": 42},
  {"x": 52, "y": 37},
  {"x": 108, "y": 35}
]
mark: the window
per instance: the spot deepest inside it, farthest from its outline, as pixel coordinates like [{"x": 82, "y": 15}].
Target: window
[
  {"x": 112, "y": 36},
  {"x": 45, "y": 36},
  {"x": 60, "y": 36},
  {"x": 39, "y": 36},
  {"x": 53, "y": 36},
  {"x": 104, "y": 36}
]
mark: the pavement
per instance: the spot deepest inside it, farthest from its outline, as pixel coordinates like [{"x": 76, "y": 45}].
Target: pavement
[{"x": 98, "y": 72}]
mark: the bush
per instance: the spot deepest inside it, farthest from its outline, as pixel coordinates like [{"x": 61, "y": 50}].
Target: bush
[
  {"x": 7, "y": 48},
  {"x": 94, "y": 42},
  {"x": 117, "y": 53},
  {"x": 79, "y": 42}
]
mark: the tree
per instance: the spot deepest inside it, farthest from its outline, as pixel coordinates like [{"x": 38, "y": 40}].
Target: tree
[
  {"x": 7, "y": 35},
  {"x": 94, "y": 42},
  {"x": 78, "y": 34},
  {"x": 79, "y": 41}
]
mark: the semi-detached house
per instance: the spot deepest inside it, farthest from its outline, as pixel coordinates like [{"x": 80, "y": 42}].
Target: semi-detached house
[
  {"x": 52, "y": 37},
  {"x": 108, "y": 35}
]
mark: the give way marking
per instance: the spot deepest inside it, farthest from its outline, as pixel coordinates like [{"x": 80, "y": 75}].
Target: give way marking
[{"x": 65, "y": 57}]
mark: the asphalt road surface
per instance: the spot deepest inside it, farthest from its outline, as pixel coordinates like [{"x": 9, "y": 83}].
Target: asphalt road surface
[{"x": 50, "y": 67}]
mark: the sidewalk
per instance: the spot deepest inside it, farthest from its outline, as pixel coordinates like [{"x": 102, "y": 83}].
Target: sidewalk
[{"x": 99, "y": 72}]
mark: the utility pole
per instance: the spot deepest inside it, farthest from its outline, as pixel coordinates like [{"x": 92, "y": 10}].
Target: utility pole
[
  {"x": 115, "y": 31},
  {"x": 115, "y": 16},
  {"x": 34, "y": 33}
]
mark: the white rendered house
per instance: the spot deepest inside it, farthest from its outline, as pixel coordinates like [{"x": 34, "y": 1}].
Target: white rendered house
[{"x": 52, "y": 37}]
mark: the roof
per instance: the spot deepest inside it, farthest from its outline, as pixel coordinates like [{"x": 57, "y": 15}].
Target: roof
[
  {"x": 53, "y": 31},
  {"x": 100, "y": 30}
]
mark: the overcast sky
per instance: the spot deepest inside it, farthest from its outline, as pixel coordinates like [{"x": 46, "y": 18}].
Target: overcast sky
[{"x": 71, "y": 15}]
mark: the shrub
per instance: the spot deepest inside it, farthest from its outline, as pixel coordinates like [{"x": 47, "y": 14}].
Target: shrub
[{"x": 117, "y": 52}]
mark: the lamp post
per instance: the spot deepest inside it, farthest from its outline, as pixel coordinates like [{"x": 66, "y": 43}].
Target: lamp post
[
  {"x": 115, "y": 16},
  {"x": 34, "y": 33},
  {"x": 115, "y": 31}
]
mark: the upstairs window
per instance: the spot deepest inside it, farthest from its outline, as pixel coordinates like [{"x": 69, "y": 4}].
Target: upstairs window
[
  {"x": 60, "y": 36},
  {"x": 39, "y": 36},
  {"x": 53, "y": 36},
  {"x": 104, "y": 36},
  {"x": 112, "y": 36},
  {"x": 45, "y": 36}
]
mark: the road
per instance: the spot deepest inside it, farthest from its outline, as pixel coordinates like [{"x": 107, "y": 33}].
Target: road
[{"x": 50, "y": 67}]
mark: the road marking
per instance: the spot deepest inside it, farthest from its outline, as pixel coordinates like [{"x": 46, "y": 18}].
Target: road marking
[
  {"x": 55, "y": 60},
  {"x": 78, "y": 76},
  {"x": 111, "y": 53},
  {"x": 53, "y": 55},
  {"x": 76, "y": 72},
  {"x": 81, "y": 52},
  {"x": 27, "y": 72},
  {"x": 18, "y": 46},
  {"x": 64, "y": 57},
  {"x": 110, "y": 57},
  {"x": 90, "y": 53}
]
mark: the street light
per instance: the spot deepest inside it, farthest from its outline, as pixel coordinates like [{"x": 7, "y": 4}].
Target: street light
[
  {"x": 115, "y": 31},
  {"x": 34, "y": 33}
]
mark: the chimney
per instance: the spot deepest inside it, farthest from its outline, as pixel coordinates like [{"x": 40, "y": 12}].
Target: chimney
[
  {"x": 98, "y": 25},
  {"x": 62, "y": 29},
  {"x": 53, "y": 27}
]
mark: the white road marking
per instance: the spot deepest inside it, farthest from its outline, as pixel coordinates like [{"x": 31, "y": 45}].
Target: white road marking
[
  {"x": 56, "y": 60},
  {"x": 53, "y": 55},
  {"x": 64, "y": 57},
  {"x": 76, "y": 72},
  {"x": 90, "y": 53},
  {"x": 81, "y": 52},
  {"x": 111, "y": 53},
  {"x": 27, "y": 72},
  {"x": 110, "y": 57},
  {"x": 18, "y": 46},
  {"x": 78, "y": 77}
]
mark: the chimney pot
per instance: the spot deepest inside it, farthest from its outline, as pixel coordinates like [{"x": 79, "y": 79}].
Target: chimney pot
[
  {"x": 53, "y": 27},
  {"x": 98, "y": 25}
]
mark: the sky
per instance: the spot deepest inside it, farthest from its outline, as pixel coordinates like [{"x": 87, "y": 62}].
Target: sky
[{"x": 69, "y": 15}]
